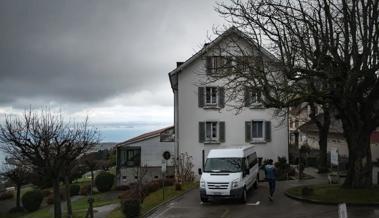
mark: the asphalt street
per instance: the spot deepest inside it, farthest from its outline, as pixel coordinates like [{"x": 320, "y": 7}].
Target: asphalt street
[{"x": 258, "y": 205}]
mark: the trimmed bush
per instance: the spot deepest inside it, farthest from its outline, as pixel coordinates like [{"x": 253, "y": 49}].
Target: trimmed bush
[
  {"x": 104, "y": 181},
  {"x": 32, "y": 200},
  {"x": 131, "y": 208},
  {"x": 85, "y": 189},
  {"x": 74, "y": 189},
  {"x": 178, "y": 187},
  {"x": 6, "y": 195}
]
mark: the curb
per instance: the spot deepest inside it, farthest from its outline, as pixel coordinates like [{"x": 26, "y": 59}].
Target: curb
[
  {"x": 327, "y": 203},
  {"x": 154, "y": 209}
]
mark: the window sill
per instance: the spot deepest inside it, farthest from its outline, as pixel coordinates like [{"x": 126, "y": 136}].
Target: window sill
[
  {"x": 258, "y": 142},
  {"x": 212, "y": 142},
  {"x": 211, "y": 107},
  {"x": 256, "y": 106}
]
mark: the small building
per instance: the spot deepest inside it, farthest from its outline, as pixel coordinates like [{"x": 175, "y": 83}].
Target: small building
[{"x": 145, "y": 152}]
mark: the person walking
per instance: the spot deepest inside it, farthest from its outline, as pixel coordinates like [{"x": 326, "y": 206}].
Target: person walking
[{"x": 270, "y": 172}]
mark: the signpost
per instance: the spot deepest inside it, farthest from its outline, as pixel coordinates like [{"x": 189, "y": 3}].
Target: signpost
[
  {"x": 166, "y": 156},
  {"x": 334, "y": 156},
  {"x": 342, "y": 210}
]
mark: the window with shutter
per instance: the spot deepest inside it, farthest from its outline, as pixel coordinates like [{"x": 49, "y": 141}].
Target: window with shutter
[
  {"x": 258, "y": 131},
  {"x": 218, "y": 64},
  {"x": 253, "y": 97},
  {"x": 211, "y": 132}
]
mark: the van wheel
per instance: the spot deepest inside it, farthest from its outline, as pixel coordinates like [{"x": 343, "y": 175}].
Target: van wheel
[
  {"x": 204, "y": 199},
  {"x": 244, "y": 196}
]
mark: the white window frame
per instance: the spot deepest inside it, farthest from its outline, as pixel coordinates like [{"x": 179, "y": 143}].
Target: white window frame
[
  {"x": 211, "y": 139},
  {"x": 210, "y": 96},
  {"x": 258, "y": 139}
]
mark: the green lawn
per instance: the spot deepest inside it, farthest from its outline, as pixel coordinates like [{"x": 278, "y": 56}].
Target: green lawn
[
  {"x": 156, "y": 198},
  {"x": 335, "y": 194},
  {"x": 79, "y": 207}
]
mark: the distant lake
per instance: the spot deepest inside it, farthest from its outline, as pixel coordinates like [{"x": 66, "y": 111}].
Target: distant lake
[{"x": 113, "y": 134}]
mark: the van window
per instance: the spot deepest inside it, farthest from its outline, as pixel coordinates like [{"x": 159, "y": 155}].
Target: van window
[
  {"x": 252, "y": 159},
  {"x": 230, "y": 165}
]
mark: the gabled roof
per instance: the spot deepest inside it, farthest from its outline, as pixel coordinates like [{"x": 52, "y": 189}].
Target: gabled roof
[
  {"x": 310, "y": 126},
  {"x": 232, "y": 30},
  {"x": 144, "y": 136}
]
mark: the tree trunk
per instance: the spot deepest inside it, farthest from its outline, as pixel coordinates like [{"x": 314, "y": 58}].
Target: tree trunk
[
  {"x": 18, "y": 196},
  {"x": 68, "y": 196},
  {"x": 57, "y": 199},
  {"x": 359, "y": 173},
  {"x": 323, "y": 143}
]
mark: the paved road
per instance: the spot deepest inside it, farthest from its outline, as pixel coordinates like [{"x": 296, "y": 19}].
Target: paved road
[{"x": 190, "y": 206}]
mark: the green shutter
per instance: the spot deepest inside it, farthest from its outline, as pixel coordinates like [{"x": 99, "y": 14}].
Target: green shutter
[
  {"x": 221, "y": 97},
  {"x": 222, "y": 131},
  {"x": 247, "y": 96},
  {"x": 248, "y": 131},
  {"x": 201, "y": 132},
  {"x": 201, "y": 96},
  {"x": 268, "y": 131},
  {"x": 208, "y": 65}
]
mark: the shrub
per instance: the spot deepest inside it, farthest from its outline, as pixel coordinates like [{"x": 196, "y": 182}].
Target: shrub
[
  {"x": 178, "y": 187},
  {"x": 16, "y": 210},
  {"x": 50, "y": 197},
  {"x": 104, "y": 181},
  {"x": 152, "y": 187},
  {"x": 32, "y": 200},
  {"x": 74, "y": 189},
  {"x": 6, "y": 195},
  {"x": 85, "y": 189},
  {"x": 306, "y": 191},
  {"x": 122, "y": 188},
  {"x": 46, "y": 192},
  {"x": 131, "y": 208}
]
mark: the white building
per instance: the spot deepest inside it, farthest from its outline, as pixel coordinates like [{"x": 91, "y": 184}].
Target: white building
[
  {"x": 202, "y": 119},
  {"x": 145, "y": 151}
]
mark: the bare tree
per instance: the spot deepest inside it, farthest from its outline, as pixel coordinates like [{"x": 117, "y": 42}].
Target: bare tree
[
  {"x": 332, "y": 43},
  {"x": 18, "y": 175},
  {"x": 45, "y": 142},
  {"x": 184, "y": 167}
]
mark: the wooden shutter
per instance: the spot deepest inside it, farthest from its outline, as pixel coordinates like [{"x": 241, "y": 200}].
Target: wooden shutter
[
  {"x": 247, "y": 97},
  {"x": 200, "y": 93},
  {"x": 268, "y": 131},
  {"x": 221, "y": 97},
  {"x": 248, "y": 131},
  {"x": 201, "y": 132},
  {"x": 208, "y": 65},
  {"x": 221, "y": 131}
]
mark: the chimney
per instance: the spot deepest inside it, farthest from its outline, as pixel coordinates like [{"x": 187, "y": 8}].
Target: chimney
[{"x": 179, "y": 63}]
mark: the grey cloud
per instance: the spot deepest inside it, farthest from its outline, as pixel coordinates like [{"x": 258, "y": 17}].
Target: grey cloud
[{"x": 89, "y": 51}]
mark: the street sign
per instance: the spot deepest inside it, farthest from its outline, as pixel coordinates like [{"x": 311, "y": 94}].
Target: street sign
[
  {"x": 342, "y": 211},
  {"x": 334, "y": 156},
  {"x": 164, "y": 166}
]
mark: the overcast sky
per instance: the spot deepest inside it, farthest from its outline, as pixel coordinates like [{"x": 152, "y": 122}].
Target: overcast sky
[{"x": 107, "y": 59}]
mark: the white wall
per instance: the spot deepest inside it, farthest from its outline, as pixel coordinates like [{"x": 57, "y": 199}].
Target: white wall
[
  {"x": 190, "y": 115},
  {"x": 152, "y": 150},
  {"x": 151, "y": 156}
]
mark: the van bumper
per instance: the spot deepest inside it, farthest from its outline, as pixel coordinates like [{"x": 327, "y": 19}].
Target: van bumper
[{"x": 234, "y": 193}]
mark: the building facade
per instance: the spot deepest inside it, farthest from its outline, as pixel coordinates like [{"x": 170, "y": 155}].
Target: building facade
[
  {"x": 205, "y": 119},
  {"x": 144, "y": 153}
]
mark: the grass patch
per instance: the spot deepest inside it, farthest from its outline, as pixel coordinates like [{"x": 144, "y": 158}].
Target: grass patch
[
  {"x": 335, "y": 194},
  {"x": 155, "y": 198}
]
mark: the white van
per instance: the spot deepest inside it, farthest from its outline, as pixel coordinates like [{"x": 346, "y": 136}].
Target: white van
[{"x": 229, "y": 173}]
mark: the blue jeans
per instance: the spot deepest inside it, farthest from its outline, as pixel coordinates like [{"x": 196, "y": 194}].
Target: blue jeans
[{"x": 271, "y": 184}]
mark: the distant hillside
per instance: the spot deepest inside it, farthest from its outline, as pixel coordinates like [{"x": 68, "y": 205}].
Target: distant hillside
[{"x": 105, "y": 146}]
